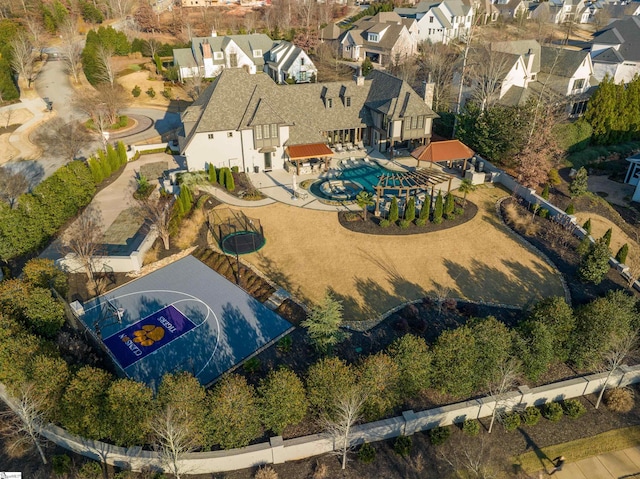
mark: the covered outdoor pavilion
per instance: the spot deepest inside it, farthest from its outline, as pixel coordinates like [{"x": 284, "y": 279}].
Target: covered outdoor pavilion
[
  {"x": 410, "y": 184},
  {"x": 299, "y": 153},
  {"x": 441, "y": 151}
]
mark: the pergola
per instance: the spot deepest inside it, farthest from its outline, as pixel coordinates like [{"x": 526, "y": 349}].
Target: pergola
[
  {"x": 408, "y": 183},
  {"x": 298, "y": 153},
  {"x": 448, "y": 150}
]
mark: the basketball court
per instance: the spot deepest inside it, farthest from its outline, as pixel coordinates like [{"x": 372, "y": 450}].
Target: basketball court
[{"x": 182, "y": 317}]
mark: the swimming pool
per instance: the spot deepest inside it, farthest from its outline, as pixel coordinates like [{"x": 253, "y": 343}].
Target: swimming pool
[{"x": 365, "y": 175}]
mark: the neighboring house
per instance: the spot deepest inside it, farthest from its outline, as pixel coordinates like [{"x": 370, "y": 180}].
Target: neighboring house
[
  {"x": 560, "y": 11},
  {"x": 250, "y": 122},
  {"x": 440, "y": 22},
  {"x": 385, "y": 39},
  {"x": 485, "y": 10},
  {"x": 330, "y": 34},
  {"x": 513, "y": 9},
  {"x": 613, "y": 11},
  {"x": 287, "y": 63},
  {"x": 208, "y": 56},
  {"x": 569, "y": 75},
  {"x": 615, "y": 50}
]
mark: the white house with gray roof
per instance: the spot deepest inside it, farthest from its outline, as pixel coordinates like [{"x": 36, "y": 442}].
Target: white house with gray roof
[
  {"x": 208, "y": 56},
  {"x": 249, "y": 121},
  {"x": 286, "y": 61},
  {"x": 440, "y": 22},
  {"x": 615, "y": 50}
]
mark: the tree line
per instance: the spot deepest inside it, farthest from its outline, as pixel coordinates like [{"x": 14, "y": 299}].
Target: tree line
[{"x": 90, "y": 402}]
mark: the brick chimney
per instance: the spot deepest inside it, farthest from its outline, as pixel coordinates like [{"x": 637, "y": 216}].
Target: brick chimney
[
  {"x": 359, "y": 79},
  {"x": 213, "y": 32},
  {"x": 428, "y": 90}
]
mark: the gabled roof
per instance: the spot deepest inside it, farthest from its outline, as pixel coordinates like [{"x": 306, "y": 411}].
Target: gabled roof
[
  {"x": 610, "y": 55},
  {"x": 456, "y": 7},
  {"x": 626, "y": 33},
  {"x": 363, "y": 27},
  {"x": 237, "y": 100},
  {"x": 184, "y": 57},
  {"x": 247, "y": 43},
  {"x": 448, "y": 150},
  {"x": 520, "y": 47},
  {"x": 331, "y": 32},
  {"x": 560, "y": 61},
  {"x": 286, "y": 53}
]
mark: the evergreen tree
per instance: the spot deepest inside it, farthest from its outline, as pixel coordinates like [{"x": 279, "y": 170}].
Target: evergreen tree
[
  {"x": 438, "y": 210},
  {"x": 595, "y": 264},
  {"x": 282, "y": 400},
  {"x": 424, "y": 212},
  {"x": 393, "y": 210},
  {"x": 449, "y": 206},
  {"x": 607, "y": 236},
  {"x": 323, "y": 324},
  {"x": 587, "y": 226},
  {"x": 367, "y": 66},
  {"x": 602, "y": 111},
  {"x": 579, "y": 184},
  {"x": 222, "y": 173},
  {"x": 570, "y": 209},
  {"x": 545, "y": 192},
  {"x": 122, "y": 154},
  {"x": 112, "y": 158},
  {"x": 212, "y": 174},
  {"x": 228, "y": 181},
  {"x": 410, "y": 210},
  {"x": 621, "y": 255}
]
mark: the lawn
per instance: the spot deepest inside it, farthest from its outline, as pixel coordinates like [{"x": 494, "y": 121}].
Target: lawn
[{"x": 308, "y": 252}]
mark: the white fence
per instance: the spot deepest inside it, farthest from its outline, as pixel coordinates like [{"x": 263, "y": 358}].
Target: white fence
[{"x": 277, "y": 450}]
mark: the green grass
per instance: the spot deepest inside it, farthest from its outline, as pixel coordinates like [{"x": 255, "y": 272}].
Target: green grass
[
  {"x": 593, "y": 153},
  {"x": 609, "y": 441}
]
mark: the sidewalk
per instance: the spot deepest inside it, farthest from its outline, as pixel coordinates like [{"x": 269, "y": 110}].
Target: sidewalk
[
  {"x": 19, "y": 139},
  {"x": 612, "y": 465}
]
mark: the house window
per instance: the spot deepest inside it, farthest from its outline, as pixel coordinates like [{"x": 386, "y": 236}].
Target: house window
[
  {"x": 274, "y": 131},
  {"x": 301, "y": 60},
  {"x": 210, "y": 136},
  {"x": 258, "y": 132},
  {"x": 421, "y": 121},
  {"x": 233, "y": 60},
  {"x": 430, "y": 19},
  {"x": 348, "y": 48},
  {"x": 265, "y": 131},
  {"x": 329, "y": 102},
  {"x": 348, "y": 101},
  {"x": 303, "y": 76},
  {"x": 257, "y": 53},
  {"x": 218, "y": 55},
  {"x": 229, "y": 134},
  {"x": 373, "y": 37}
]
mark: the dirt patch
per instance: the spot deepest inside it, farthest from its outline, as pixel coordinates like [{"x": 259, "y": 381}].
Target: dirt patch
[{"x": 17, "y": 118}]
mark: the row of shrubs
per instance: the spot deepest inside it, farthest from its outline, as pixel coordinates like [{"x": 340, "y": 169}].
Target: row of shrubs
[
  {"x": 445, "y": 208},
  {"x": 222, "y": 176},
  {"x": 617, "y": 400},
  {"x": 106, "y": 162},
  {"x": 151, "y": 92}
]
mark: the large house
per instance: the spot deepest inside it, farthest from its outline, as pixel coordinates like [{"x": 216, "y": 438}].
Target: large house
[
  {"x": 208, "y": 56},
  {"x": 615, "y": 50},
  {"x": 440, "y": 22},
  {"x": 252, "y": 123},
  {"x": 385, "y": 38},
  {"x": 560, "y": 11}
]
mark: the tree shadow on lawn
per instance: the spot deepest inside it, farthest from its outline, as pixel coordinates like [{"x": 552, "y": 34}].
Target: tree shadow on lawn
[
  {"x": 277, "y": 275},
  {"x": 481, "y": 282}
]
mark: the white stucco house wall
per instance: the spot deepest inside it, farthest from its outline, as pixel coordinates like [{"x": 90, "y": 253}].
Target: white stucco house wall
[{"x": 440, "y": 22}]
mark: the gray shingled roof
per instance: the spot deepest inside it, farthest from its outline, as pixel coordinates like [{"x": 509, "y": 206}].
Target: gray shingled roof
[
  {"x": 610, "y": 55},
  {"x": 561, "y": 62},
  {"x": 331, "y": 32},
  {"x": 237, "y": 100},
  {"x": 628, "y": 30},
  {"x": 520, "y": 47},
  {"x": 389, "y": 38},
  {"x": 184, "y": 57}
]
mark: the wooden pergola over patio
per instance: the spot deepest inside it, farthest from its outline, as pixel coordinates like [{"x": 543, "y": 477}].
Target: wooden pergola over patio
[
  {"x": 448, "y": 150},
  {"x": 410, "y": 183},
  {"x": 298, "y": 153}
]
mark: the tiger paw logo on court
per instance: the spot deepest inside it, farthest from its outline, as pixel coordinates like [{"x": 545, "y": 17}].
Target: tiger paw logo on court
[{"x": 148, "y": 335}]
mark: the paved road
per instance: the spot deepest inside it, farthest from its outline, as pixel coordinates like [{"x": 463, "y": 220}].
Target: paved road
[{"x": 53, "y": 83}]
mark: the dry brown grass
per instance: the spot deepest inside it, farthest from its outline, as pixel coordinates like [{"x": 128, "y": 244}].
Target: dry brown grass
[
  {"x": 600, "y": 224},
  {"x": 153, "y": 254},
  {"x": 189, "y": 229},
  {"x": 266, "y": 472},
  {"x": 320, "y": 471},
  {"x": 308, "y": 252},
  {"x": 619, "y": 400},
  {"x": 520, "y": 222}
]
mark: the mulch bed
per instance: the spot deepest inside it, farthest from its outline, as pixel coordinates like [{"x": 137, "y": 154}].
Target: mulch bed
[{"x": 353, "y": 222}]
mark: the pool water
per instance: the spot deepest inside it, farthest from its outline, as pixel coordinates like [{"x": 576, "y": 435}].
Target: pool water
[{"x": 365, "y": 174}]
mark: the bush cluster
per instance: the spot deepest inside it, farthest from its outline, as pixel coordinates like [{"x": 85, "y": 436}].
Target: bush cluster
[
  {"x": 619, "y": 399},
  {"x": 107, "y": 162}
]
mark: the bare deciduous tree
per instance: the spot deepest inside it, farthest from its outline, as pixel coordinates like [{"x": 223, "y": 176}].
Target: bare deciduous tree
[
  {"x": 105, "y": 70},
  {"x": 151, "y": 47},
  {"x": 195, "y": 83},
  {"x": 487, "y": 70},
  {"x": 22, "y": 60},
  {"x": 71, "y": 48},
  {"x": 85, "y": 239},
  {"x": 121, "y": 8},
  {"x": 12, "y": 185},
  {"x": 341, "y": 418},
  {"x": 173, "y": 435},
  {"x": 436, "y": 63},
  {"x": 470, "y": 458},
  {"x": 505, "y": 379},
  {"x": 7, "y": 113},
  {"x": 66, "y": 139},
  {"x": 24, "y": 419},
  {"x": 622, "y": 348},
  {"x": 36, "y": 33},
  {"x": 156, "y": 209}
]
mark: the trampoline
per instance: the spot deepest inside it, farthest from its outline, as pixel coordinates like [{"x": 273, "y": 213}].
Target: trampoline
[{"x": 236, "y": 233}]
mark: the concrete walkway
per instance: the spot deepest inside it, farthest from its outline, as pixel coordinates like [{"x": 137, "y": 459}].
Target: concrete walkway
[
  {"x": 612, "y": 465},
  {"x": 19, "y": 138}
]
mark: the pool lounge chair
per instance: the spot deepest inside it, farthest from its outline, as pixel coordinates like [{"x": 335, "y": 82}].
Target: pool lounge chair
[
  {"x": 349, "y": 147},
  {"x": 338, "y": 148},
  {"x": 360, "y": 145}
]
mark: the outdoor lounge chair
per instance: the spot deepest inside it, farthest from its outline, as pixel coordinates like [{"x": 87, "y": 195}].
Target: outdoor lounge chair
[
  {"x": 349, "y": 147},
  {"x": 339, "y": 148},
  {"x": 360, "y": 145}
]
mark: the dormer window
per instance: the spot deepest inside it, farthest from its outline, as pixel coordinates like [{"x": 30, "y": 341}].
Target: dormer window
[
  {"x": 347, "y": 101},
  {"x": 373, "y": 37},
  {"x": 430, "y": 19},
  {"x": 329, "y": 102},
  {"x": 257, "y": 53},
  {"x": 218, "y": 55}
]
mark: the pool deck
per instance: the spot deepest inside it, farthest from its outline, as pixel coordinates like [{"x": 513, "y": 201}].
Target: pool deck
[{"x": 278, "y": 185}]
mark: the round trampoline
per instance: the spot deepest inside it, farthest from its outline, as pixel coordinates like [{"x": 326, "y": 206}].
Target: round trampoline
[{"x": 242, "y": 242}]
